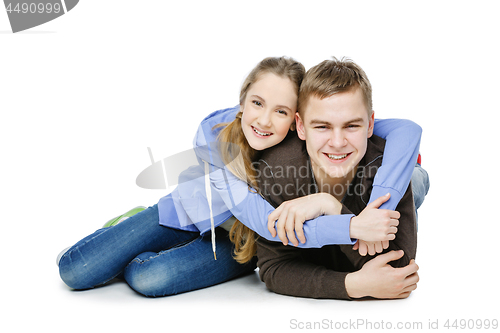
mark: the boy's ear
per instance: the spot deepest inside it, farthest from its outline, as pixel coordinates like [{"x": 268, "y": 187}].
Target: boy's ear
[
  {"x": 371, "y": 123},
  {"x": 300, "y": 127}
]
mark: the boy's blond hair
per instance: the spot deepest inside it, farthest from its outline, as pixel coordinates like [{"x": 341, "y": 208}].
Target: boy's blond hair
[{"x": 331, "y": 77}]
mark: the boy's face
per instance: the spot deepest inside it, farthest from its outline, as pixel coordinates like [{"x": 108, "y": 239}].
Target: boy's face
[{"x": 336, "y": 130}]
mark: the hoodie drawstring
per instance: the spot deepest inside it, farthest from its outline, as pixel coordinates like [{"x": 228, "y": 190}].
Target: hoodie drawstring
[{"x": 209, "y": 199}]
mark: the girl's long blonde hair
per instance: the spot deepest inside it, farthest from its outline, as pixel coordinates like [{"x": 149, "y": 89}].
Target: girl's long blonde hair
[{"x": 243, "y": 237}]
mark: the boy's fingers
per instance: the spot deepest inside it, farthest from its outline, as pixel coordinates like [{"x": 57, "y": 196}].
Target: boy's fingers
[
  {"x": 385, "y": 258},
  {"x": 410, "y": 269}
]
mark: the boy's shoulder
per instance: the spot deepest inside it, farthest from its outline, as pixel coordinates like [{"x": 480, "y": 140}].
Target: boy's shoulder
[
  {"x": 374, "y": 151},
  {"x": 284, "y": 171},
  {"x": 291, "y": 151},
  {"x": 375, "y": 144}
]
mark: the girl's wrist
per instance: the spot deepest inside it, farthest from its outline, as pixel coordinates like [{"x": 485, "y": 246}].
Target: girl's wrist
[{"x": 331, "y": 205}]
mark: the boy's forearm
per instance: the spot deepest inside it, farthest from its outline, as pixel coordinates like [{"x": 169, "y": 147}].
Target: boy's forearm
[{"x": 285, "y": 271}]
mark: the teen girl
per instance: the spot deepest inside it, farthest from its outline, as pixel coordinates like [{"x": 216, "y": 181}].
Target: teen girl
[{"x": 167, "y": 248}]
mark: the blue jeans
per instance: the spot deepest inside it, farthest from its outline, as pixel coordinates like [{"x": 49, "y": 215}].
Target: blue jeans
[
  {"x": 420, "y": 186},
  {"x": 154, "y": 260}
]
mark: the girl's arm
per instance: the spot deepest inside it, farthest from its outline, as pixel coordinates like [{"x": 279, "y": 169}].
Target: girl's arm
[
  {"x": 400, "y": 155},
  {"x": 394, "y": 175},
  {"x": 230, "y": 194},
  {"x": 252, "y": 210}
]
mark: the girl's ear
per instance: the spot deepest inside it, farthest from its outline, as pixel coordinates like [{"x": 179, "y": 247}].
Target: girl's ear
[
  {"x": 300, "y": 127},
  {"x": 292, "y": 126}
]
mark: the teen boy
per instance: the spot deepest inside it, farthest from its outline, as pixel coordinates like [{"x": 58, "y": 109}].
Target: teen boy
[{"x": 335, "y": 120}]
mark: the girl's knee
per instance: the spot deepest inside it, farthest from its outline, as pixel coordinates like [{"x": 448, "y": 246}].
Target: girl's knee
[
  {"x": 80, "y": 271},
  {"x": 148, "y": 278},
  {"x": 73, "y": 272}
]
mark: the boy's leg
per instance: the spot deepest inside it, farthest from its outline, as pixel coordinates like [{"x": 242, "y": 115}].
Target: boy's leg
[
  {"x": 186, "y": 267},
  {"x": 101, "y": 256},
  {"x": 420, "y": 185}
]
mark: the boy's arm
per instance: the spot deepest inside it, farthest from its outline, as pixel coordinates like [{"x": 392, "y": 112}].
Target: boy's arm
[
  {"x": 287, "y": 270},
  {"x": 400, "y": 155},
  {"x": 324, "y": 273}
]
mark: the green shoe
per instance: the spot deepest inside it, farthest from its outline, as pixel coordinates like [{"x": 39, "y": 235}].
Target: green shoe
[{"x": 118, "y": 219}]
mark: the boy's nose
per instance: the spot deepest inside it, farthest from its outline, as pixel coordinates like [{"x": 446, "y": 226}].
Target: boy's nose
[{"x": 337, "y": 139}]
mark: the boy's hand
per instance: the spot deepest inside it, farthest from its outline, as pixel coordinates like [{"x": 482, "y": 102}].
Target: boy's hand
[
  {"x": 370, "y": 248},
  {"x": 374, "y": 224},
  {"x": 380, "y": 280},
  {"x": 292, "y": 214}
]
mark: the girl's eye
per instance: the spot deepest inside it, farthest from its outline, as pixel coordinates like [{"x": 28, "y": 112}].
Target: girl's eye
[
  {"x": 283, "y": 112},
  {"x": 257, "y": 103}
]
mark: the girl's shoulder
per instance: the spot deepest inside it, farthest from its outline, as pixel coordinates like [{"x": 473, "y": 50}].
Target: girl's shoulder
[
  {"x": 206, "y": 132},
  {"x": 221, "y": 116}
]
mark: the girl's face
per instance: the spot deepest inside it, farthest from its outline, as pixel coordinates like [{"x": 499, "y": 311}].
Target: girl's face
[{"x": 268, "y": 111}]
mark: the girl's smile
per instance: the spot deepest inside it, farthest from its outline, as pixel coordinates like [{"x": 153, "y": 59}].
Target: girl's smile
[{"x": 268, "y": 111}]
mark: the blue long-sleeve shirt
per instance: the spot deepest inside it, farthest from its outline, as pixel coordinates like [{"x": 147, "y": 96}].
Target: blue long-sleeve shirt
[{"x": 187, "y": 207}]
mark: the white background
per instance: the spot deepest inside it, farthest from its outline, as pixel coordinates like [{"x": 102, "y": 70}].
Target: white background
[{"x": 83, "y": 96}]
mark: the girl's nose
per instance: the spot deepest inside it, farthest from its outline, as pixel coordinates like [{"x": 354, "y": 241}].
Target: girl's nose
[{"x": 265, "y": 119}]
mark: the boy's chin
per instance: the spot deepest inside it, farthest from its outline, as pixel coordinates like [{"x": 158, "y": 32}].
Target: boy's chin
[{"x": 337, "y": 172}]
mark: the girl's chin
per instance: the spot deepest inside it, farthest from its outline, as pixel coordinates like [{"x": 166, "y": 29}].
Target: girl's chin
[{"x": 261, "y": 145}]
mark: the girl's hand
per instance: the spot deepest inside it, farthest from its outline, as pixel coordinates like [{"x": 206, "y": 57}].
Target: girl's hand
[
  {"x": 374, "y": 224},
  {"x": 380, "y": 280},
  {"x": 292, "y": 214}
]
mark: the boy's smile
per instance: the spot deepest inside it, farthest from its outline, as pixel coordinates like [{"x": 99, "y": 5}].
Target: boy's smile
[{"x": 336, "y": 130}]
